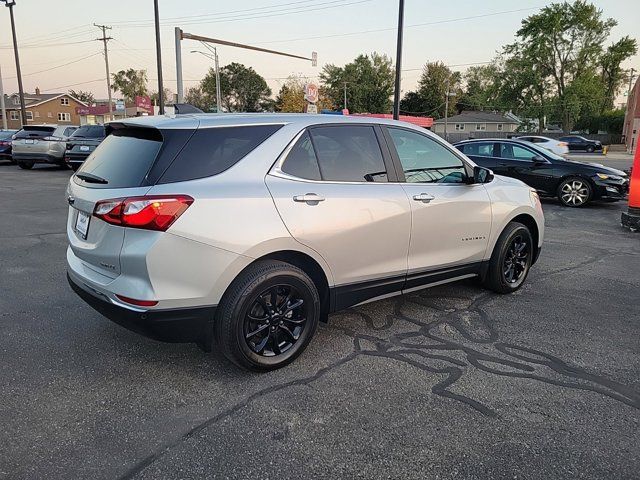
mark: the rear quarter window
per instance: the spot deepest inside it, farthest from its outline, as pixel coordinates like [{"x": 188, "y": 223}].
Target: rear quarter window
[{"x": 211, "y": 151}]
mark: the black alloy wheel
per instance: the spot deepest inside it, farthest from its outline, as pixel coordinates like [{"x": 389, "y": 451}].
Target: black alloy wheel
[
  {"x": 516, "y": 261},
  {"x": 275, "y": 321},
  {"x": 590, "y": 148},
  {"x": 511, "y": 259},
  {"x": 267, "y": 316}
]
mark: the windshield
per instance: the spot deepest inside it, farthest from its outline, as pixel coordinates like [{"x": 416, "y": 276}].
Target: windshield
[
  {"x": 6, "y": 134},
  {"x": 35, "y": 132},
  {"x": 544, "y": 151}
]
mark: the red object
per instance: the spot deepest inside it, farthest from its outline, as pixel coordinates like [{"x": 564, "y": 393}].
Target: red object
[
  {"x": 425, "y": 122},
  {"x": 144, "y": 102},
  {"x": 152, "y": 212},
  {"x": 139, "y": 303},
  {"x": 634, "y": 185}
]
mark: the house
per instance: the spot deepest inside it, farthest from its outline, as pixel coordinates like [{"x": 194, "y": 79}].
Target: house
[
  {"x": 53, "y": 108},
  {"x": 470, "y": 122},
  {"x": 631, "y": 125}
]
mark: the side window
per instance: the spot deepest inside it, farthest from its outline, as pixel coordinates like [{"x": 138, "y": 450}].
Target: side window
[
  {"x": 301, "y": 161},
  {"x": 348, "y": 153},
  {"x": 424, "y": 160},
  {"x": 479, "y": 149},
  {"x": 515, "y": 152}
]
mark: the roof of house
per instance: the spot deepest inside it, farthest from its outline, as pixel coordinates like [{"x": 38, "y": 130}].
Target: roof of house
[
  {"x": 481, "y": 117},
  {"x": 33, "y": 100}
]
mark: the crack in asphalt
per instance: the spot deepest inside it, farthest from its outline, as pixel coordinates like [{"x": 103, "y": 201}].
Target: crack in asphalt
[{"x": 468, "y": 331}]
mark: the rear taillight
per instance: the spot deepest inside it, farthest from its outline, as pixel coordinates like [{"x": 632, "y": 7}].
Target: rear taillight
[
  {"x": 139, "y": 303},
  {"x": 153, "y": 212},
  {"x": 563, "y": 144},
  {"x": 4, "y": 144}
]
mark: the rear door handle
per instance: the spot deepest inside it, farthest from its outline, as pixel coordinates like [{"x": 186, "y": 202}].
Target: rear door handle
[
  {"x": 309, "y": 198},
  {"x": 423, "y": 197}
]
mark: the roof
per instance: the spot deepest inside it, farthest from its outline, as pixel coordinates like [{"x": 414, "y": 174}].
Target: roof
[
  {"x": 207, "y": 120},
  {"x": 33, "y": 100},
  {"x": 426, "y": 122},
  {"x": 481, "y": 117}
]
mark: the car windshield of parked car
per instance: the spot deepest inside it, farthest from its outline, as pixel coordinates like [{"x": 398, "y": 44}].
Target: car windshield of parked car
[
  {"x": 35, "y": 132},
  {"x": 478, "y": 149},
  {"x": 424, "y": 160},
  {"x": 7, "y": 134},
  {"x": 545, "y": 153},
  {"x": 89, "y": 131},
  {"x": 348, "y": 153}
]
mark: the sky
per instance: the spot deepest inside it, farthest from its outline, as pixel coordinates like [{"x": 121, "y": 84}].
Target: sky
[{"x": 58, "y": 50}]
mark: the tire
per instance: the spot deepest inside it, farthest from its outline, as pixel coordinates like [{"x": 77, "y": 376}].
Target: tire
[
  {"x": 25, "y": 165},
  {"x": 575, "y": 192},
  {"x": 74, "y": 166},
  {"x": 245, "y": 314},
  {"x": 507, "y": 253},
  {"x": 590, "y": 149}
]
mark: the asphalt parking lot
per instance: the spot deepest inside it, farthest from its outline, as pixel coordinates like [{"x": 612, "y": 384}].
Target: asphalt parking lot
[{"x": 452, "y": 382}]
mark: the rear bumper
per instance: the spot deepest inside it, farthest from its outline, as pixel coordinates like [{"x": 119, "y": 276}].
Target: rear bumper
[
  {"x": 36, "y": 157},
  {"x": 168, "y": 325},
  {"x": 74, "y": 158}
]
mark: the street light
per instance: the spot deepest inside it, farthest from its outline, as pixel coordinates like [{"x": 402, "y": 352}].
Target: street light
[
  {"x": 11, "y": 4},
  {"x": 214, "y": 57},
  {"x": 396, "y": 93}
]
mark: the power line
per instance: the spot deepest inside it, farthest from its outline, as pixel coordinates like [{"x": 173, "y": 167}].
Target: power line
[
  {"x": 49, "y": 45},
  {"x": 74, "y": 84},
  {"x": 58, "y": 66}
]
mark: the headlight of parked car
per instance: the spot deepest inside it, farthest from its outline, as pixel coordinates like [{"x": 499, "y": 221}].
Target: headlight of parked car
[{"x": 606, "y": 176}]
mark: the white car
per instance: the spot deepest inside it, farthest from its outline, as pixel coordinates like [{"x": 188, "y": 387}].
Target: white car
[
  {"x": 248, "y": 229},
  {"x": 556, "y": 146}
]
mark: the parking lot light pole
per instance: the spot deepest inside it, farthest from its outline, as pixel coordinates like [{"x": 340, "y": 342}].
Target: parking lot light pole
[
  {"x": 214, "y": 57},
  {"x": 23, "y": 110},
  {"x": 159, "y": 59},
  {"x": 2, "y": 106},
  {"x": 396, "y": 93}
]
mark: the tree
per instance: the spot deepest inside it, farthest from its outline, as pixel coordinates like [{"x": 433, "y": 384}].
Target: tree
[
  {"x": 291, "y": 97},
  {"x": 430, "y": 97},
  {"x": 166, "y": 93},
  {"x": 131, "y": 83},
  {"x": 196, "y": 97},
  {"x": 482, "y": 89},
  {"x": 369, "y": 83},
  {"x": 242, "y": 89},
  {"x": 562, "y": 45},
  {"x": 86, "y": 97},
  {"x": 612, "y": 74}
]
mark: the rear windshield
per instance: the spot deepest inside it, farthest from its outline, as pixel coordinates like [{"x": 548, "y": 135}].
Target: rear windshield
[
  {"x": 89, "y": 131},
  {"x": 35, "y": 132},
  {"x": 211, "y": 151},
  {"x": 122, "y": 160},
  {"x": 6, "y": 134}
]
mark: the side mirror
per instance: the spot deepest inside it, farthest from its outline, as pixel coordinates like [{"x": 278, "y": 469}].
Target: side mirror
[
  {"x": 539, "y": 159},
  {"x": 482, "y": 175}
]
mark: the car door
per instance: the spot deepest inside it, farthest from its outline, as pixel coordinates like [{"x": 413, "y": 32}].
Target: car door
[
  {"x": 526, "y": 164},
  {"x": 482, "y": 153},
  {"x": 451, "y": 219},
  {"x": 336, "y": 194}
]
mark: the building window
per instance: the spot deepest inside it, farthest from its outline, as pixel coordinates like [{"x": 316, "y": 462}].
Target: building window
[
  {"x": 499, "y": 127},
  {"x": 481, "y": 126},
  {"x": 459, "y": 127},
  {"x": 64, "y": 117},
  {"x": 49, "y": 115},
  {"x": 15, "y": 115},
  {"x": 16, "y": 100},
  {"x": 29, "y": 115},
  {"x": 37, "y": 114},
  {"x": 64, "y": 101}
]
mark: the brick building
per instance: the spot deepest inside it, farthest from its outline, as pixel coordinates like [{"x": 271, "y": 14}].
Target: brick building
[
  {"x": 631, "y": 125},
  {"x": 52, "y": 108}
]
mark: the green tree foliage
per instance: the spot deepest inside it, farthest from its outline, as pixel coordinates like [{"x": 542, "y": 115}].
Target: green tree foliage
[
  {"x": 482, "y": 88},
  {"x": 291, "y": 97},
  {"x": 167, "y": 94},
  {"x": 131, "y": 83},
  {"x": 196, "y": 97},
  {"x": 86, "y": 97},
  {"x": 242, "y": 90},
  {"x": 429, "y": 98},
  {"x": 611, "y": 121},
  {"x": 613, "y": 76},
  {"x": 562, "y": 47},
  {"x": 369, "y": 80}
]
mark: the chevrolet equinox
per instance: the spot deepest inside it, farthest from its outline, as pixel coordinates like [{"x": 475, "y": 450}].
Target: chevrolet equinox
[{"x": 243, "y": 231}]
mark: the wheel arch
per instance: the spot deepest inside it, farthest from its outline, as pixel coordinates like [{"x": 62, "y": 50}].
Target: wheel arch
[{"x": 529, "y": 222}]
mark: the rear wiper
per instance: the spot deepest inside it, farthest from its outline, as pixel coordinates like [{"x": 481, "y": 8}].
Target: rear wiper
[{"x": 90, "y": 178}]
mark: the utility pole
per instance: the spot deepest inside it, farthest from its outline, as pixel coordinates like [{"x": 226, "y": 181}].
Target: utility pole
[
  {"x": 396, "y": 93},
  {"x": 104, "y": 40},
  {"x": 218, "y": 90},
  {"x": 180, "y": 87},
  {"x": 630, "y": 81},
  {"x": 446, "y": 109},
  {"x": 159, "y": 59},
  {"x": 2, "y": 107},
  {"x": 10, "y": 4},
  {"x": 345, "y": 95}
]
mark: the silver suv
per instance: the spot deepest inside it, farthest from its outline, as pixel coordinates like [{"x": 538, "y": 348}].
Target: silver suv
[
  {"x": 244, "y": 231},
  {"x": 40, "y": 144}
]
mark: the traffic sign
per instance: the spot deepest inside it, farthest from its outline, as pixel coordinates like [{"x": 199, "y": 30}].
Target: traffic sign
[{"x": 311, "y": 92}]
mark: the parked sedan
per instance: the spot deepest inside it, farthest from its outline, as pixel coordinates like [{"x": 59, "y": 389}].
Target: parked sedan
[
  {"x": 577, "y": 143},
  {"x": 556, "y": 146},
  {"x": 40, "y": 144},
  {"x": 5, "y": 144},
  {"x": 574, "y": 183},
  {"x": 82, "y": 143}
]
